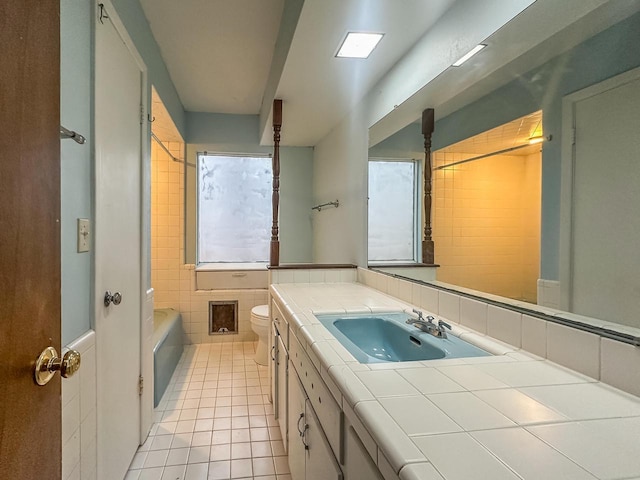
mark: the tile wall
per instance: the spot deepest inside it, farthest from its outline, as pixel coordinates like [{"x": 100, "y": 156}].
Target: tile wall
[
  {"x": 549, "y": 293},
  {"x": 486, "y": 223},
  {"x": 79, "y": 417},
  {"x": 610, "y": 361},
  {"x": 173, "y": 281}
]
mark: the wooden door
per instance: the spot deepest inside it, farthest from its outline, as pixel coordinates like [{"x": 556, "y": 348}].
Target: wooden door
[
  {"x": 30, "y": 423},
  {"x": 118, "y": 168}
]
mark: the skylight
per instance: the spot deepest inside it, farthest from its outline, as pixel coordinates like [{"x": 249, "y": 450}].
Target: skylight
[{"x": 358, "y": 45}]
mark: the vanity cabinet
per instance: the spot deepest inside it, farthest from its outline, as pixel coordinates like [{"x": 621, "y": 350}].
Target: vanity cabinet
[
  {"x": 320, "y": 441},
  {"x": 310, "y": 456}
]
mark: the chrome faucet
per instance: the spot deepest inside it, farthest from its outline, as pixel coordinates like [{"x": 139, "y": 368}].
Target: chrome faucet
[{"x": 428, "y": 326}]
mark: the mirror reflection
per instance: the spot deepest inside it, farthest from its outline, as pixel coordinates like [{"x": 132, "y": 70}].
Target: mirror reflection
[{"x": 534, "y": 184}]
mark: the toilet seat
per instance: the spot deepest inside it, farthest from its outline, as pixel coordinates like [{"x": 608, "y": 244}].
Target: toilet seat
[{"x": 260, "y": 316}]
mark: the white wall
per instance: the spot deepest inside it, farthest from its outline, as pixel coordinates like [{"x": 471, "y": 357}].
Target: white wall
[
  {"x": 340, "y": 172},
  {"x": 340, "y": 160}
]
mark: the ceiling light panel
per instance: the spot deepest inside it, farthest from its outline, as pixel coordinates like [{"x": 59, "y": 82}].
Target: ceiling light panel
[
  {"x": 358, "y": 45},
  {"x": 475, "y": 50}
]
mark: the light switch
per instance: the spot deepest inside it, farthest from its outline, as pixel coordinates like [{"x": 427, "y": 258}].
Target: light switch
[{"x": 83, "y": 235}]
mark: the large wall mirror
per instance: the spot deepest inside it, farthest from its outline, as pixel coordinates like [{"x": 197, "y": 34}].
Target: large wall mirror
[{"x": 535, "y": 170}]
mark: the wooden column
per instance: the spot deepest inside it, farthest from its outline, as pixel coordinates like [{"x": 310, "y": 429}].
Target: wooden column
[
  {"x": 427, "y": 131},
  {"x": 274, "y": 259}
]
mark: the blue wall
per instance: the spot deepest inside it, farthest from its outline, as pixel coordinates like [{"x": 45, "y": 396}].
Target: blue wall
[
  {"x": 76, "y": 113},
  {"x": 132, "y": 16},
  {"x": 75, "y": 163},
  {"x": 607, "y": 54}
]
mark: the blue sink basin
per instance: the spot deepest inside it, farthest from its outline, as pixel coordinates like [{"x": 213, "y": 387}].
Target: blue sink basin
[{"x": 373, "y": 338}]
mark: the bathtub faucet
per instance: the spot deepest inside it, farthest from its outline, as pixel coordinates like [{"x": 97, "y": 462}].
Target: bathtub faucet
[{"x": 428, "y": 326}]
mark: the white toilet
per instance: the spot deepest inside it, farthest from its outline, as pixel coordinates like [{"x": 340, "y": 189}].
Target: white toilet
[{"x": 260, "y": 325}]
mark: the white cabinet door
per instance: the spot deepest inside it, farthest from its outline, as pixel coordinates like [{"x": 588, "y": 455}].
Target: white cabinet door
[
  {"x": 358, "y": 465},
  {"x": 273, "y": 345},
  {"x": 320, "y": 464},
  {"x": 297, "y": 421},
  {"x": 282, "y": 360}
]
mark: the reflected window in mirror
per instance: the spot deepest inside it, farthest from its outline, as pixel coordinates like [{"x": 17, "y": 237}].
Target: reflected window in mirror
[{"x": 394, "y": 213}]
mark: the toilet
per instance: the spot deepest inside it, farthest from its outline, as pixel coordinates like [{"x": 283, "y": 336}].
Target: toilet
[{"x": 260, "y": 325}]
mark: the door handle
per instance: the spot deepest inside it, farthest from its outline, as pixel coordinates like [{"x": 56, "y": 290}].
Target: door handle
[
  {"x": 48, "y": 363},
  {"x": 116, "y": 298}
]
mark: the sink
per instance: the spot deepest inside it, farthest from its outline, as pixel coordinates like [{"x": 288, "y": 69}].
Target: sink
[{"x": 374, "y": 338}]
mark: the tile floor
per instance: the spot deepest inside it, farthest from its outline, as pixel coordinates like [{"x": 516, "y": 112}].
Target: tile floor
[{"x": 214, "y": 421}]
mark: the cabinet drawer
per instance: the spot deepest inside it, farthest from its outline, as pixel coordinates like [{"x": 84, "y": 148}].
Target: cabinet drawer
[
  {"x": 232, "y": 280},
  {"x": 281, "y": 323},
  {"x": 328, "y": 411}
]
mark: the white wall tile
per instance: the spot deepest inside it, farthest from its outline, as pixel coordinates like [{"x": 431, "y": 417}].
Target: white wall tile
[
  {"x": 79, "y": 413},
  {"x": 505, "y": 325},
  {"x": 348, "y": 275},
  {"x": 573, "y": 348},
  {"x": 71, "y": 455},
  {"x": 405, "y": 290},
  {"x": 88, "y": 383},
  {"x": 620, "y": 365},
  {"x": 70, "y": 418},
  {"x": 449, "y": 306},
  {"x": 534, "y": 335},
  {"x": 316, "y": 276},
  {"x": 473, "y": 314},
  {"x": 430, "y": 299},
  {"x": 301, "y": 276}
]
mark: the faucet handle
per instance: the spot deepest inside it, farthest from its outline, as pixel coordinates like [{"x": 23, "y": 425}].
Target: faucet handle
[
  {"x": 443, "y": 324},
  {"x": 419, "y": 313}
]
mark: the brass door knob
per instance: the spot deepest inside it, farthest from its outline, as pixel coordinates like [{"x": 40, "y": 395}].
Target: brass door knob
[{"x": 48, "y": 363}]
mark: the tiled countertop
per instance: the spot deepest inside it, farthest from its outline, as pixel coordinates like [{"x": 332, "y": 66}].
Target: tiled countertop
[{"x": 509, "y": 416}]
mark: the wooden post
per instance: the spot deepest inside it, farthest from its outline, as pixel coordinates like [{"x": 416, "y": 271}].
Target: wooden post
[
  {"x": 274, "y": 259},
  {"x": 427, "y": 131}
]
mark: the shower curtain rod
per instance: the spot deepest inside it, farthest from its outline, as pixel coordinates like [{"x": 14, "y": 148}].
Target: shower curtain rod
[
  {"x": 480, "y": 157},
  {"x": 75, "y": 136},
  {"x": 153, "y": 135}
]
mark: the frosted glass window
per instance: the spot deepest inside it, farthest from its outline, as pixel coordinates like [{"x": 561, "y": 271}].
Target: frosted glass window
[
  {"x": 392, "y": 210},
  {"x": 234, "y": 208}
]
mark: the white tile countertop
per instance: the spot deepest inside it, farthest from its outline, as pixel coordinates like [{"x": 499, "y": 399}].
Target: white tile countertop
[{"x": 508, "y": 416}]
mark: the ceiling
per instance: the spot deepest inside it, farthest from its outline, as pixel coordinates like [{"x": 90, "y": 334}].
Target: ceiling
[
  {"x": 220, "y": 55},
  {"x": 235, "y": 56},
  {"x": 218, "y": 52},
  {"x": 512, "y": 134}
]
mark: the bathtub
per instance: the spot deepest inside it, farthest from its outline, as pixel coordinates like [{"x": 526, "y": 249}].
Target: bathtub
[{"x": 167, "y": 349}]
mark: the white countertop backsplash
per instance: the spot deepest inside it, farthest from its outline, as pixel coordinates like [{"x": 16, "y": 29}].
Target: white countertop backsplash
[{"x": 509, "y": 416}]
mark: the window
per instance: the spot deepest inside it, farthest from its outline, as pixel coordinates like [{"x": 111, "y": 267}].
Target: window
[
  {"x": 234, "y": 208},
  {"x": 393, "y": 210}
]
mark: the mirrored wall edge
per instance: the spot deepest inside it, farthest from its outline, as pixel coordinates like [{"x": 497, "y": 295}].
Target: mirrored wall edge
[{"x": 588, "y": 324}]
